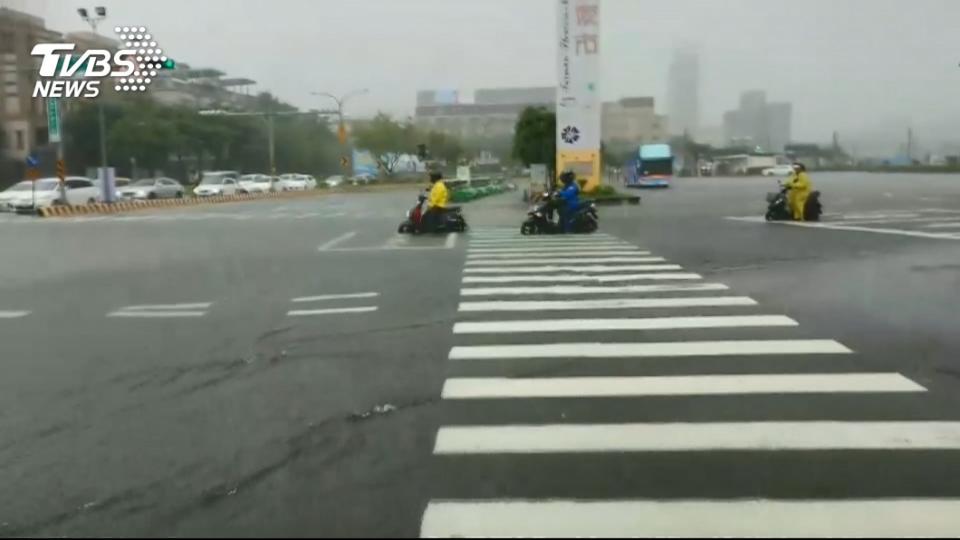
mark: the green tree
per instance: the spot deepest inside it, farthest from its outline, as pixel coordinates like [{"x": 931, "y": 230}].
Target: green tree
[
  {"x": 535, "y": 137},
  {"x": 386, "y": 139},
  {"x": 443, "y": 146}
]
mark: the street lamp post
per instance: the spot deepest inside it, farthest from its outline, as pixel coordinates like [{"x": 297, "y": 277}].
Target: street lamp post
[
  {"x": 93, "y": 21},
  {"x": 341, "y": 126}
]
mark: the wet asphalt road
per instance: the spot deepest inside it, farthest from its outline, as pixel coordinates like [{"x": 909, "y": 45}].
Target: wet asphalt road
[{"x": 226, "y": 414}]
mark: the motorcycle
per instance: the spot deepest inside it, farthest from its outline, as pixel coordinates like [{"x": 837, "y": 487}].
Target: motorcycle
[
  {"x": 778, "y": 207},
  {"x": 451, "y": 220},
  {"x": 540, "y": 218}
]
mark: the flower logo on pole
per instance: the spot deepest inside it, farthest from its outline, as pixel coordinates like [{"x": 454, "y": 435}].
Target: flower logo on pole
[{"x": 570, "y": 134}]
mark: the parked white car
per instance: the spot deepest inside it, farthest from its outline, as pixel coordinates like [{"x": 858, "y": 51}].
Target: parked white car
[
  {"x": 297, "y": 182},
  {"x": 334, "y": 181},
  {"x": 46, "y": 193},
  {"x": 152, "y": 188},
  {"x": 13, "y": 192},
  {"x": 778, "y": 170},
  {"x": 216, "y": 184},
  {"x": 257, "y": 183},
  {"x": 363, "y": 178}
]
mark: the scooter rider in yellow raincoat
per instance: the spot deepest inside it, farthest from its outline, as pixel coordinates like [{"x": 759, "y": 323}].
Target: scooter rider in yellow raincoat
[{"x": 800, "y": 188}]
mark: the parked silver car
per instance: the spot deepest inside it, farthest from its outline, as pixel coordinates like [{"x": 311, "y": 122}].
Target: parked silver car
[{"x": 152, "y": 188}]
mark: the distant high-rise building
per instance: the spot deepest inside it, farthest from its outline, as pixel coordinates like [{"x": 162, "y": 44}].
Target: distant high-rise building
[
  {"x": 758, "y": 123},
  {"x": 683, "y": 92}
]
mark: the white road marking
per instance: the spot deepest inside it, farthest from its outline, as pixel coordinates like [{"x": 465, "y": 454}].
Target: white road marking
[
  {"x": 11, "y": 314},
  {"x": 633, "y": 250},
  {"x": 194, "y": 305},
  {"x": 892, "y": 220},
  {"x": 943, "y": 225},
  {"x": 163, "y": 311},
  {"x": 647, "y": 323},
  {"x": 698, "y": 437},
  {"x": 566, "y": 260},
  {"x": 577, "y": 289},
  {"x": 613, "y": 303},
  {"x": 308, "y": 312},
  {"x": 667, "y": 349},
  {"x": 338, "y": 240},
  {"x": 323, "y": 297},
  {"x": 602, "y": 278},
  {"x": 695, "y": 385},
  {"x": 519, "y": 254},
  {"x": 451, "y": 241},
  {"x": 541, "y": 243},
  {"x": 726, "y": 518},
  {"x": 528, "y": 239},
  {"x": 156, "y": 314},
  {"x": 878, "y": 215},
  {"x": 824, "y": 225},
  {"x": 572, "y": 268}
]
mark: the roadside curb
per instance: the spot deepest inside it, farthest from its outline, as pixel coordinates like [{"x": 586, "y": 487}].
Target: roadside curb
[{"x": 128, "y": 206}]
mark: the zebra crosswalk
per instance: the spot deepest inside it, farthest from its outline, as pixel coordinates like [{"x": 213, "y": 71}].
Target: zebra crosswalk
[{"x": 649, "y": 402}]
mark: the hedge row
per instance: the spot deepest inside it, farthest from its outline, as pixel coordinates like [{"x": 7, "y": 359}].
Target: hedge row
[{"x": 472, "y": 193}]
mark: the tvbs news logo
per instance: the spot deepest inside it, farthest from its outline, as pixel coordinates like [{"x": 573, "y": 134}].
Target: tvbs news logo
[{"x": 67, "y": 73}]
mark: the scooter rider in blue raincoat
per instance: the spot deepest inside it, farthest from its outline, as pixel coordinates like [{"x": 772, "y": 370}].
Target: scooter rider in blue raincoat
[{"x": 569, "y": 196}]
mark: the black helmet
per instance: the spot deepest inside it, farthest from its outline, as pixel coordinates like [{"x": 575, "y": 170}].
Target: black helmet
[
  {"x": 435, "y": 176},
  {"x": 567, "y": 176}
]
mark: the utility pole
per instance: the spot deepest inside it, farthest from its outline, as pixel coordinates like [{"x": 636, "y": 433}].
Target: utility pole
[
  {"x": 341, "y": 126},
  {"x": 93, "y": 21}
]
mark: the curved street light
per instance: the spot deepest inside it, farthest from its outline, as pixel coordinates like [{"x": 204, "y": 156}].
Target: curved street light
[{"x": 341, "y": 101}]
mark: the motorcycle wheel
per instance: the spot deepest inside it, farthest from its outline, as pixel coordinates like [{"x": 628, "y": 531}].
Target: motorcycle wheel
[
  {"x": 528, "y": 228},
  {"x": 769, "y": 216},
  {"x": 404, "y": 228}
]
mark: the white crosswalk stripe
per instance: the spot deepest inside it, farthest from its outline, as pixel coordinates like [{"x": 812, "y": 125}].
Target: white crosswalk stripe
[
  {"x": 535, "y": 249},
  {"x": 613, "y": 303},
  {"x": 548, "y": 269},
  {"x": 598, "y": 325},
  {"x": 520, "y": 362},
  {"x": 564, "y": 260},
  {"x": 757, "y": 518},
  {"x": 581, "y": 289},
  {"x": 526, "y": 253},
  {"x": 644, "y": 350},
  {"x": 502, "y": 387},
  {"x": 584, "y": 278}
]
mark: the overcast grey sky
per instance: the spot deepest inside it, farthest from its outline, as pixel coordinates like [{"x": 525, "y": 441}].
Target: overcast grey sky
[{"x": 868, "y": 68}]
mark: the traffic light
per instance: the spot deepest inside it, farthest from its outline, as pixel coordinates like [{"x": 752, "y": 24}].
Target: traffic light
[
  {"x": 422, "y": 151},
  {"x": 169, "y": 64}
]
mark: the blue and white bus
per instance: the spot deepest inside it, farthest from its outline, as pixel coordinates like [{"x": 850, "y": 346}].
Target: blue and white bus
[{"x": 652, "y": 168}]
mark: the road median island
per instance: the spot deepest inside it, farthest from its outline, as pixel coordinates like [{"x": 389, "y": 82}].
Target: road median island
[{"x": 157, "y": 204}]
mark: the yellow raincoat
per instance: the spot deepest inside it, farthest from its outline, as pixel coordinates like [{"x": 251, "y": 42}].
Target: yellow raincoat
[
  {"x": 800, "y": 188},
  {"x": 439, "y": 196}
]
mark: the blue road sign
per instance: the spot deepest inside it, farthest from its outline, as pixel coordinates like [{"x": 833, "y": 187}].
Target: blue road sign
[{"x": 32, "y": 161}]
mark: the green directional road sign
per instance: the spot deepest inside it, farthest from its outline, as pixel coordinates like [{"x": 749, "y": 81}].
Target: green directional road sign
[{"x": 53, "y": 120}]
